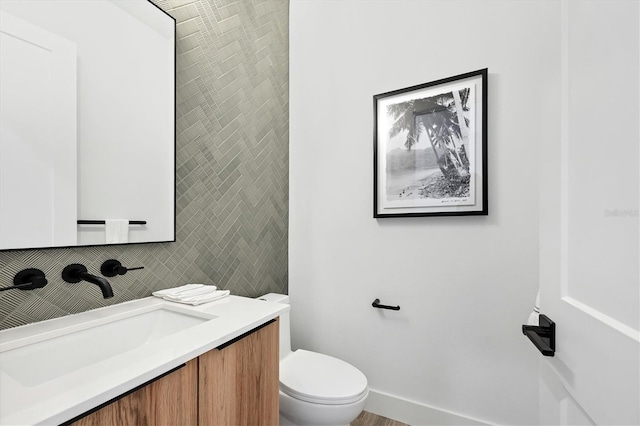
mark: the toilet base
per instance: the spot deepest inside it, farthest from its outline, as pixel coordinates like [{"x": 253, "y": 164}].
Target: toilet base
[{"x": 294, "y": 412}]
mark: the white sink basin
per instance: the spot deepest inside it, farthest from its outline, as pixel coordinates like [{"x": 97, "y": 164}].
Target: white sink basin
[
  {"x": 54, "y": 370},
  {"x": 55, "y": 353}
]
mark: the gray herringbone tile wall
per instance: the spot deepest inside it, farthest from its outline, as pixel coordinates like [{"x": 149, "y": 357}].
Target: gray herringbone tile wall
[{"x": 232, "y": 172}]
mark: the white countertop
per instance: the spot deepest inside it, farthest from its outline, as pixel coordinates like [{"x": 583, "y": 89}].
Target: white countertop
[{"x": 63, "y": 398}]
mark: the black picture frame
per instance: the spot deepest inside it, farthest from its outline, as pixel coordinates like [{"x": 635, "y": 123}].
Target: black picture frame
[{"x": 426, "y": 161}]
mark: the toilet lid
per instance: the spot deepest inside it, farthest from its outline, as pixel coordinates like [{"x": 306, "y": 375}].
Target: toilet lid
[{"x": 322, "y": 379}]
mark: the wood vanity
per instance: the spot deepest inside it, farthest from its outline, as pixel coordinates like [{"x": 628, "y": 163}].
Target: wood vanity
[
  {"x": 145, "y": 362},
  {"x": 234, "y": 384}
]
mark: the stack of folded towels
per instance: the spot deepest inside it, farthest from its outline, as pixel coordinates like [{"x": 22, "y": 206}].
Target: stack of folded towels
[{"x": 192, "y": 294}]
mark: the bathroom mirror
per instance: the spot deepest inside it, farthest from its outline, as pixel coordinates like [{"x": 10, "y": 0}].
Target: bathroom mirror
[{"x": 87, "y": 123}]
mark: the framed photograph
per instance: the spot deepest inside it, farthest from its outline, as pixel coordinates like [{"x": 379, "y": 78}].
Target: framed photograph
[{"x": 430, "y": 149}]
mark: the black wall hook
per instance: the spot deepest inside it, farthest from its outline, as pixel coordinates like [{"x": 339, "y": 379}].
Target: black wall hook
[
  {"x": 28, "y": 279},
  {"x": 112, "y": 267},
  {"x": 376, "y": 304}
]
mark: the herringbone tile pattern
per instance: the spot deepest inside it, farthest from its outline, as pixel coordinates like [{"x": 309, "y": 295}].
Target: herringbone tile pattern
[{"x": 231, "y": 172}]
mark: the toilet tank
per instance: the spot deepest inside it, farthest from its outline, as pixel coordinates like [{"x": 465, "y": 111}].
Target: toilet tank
[{"x": 285, "y": 330}]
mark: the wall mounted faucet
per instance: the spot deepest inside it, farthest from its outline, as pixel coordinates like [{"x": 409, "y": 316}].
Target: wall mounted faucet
[
  {"x": 75, "y": 273},
  {"x": 28, "y": 279}
]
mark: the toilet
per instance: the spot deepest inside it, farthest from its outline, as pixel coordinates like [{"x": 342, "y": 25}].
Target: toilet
[{"x": 316, "y": 389}]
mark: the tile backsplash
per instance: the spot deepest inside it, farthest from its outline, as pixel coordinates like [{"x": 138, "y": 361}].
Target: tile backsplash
[{"x": 232, "y": 168}]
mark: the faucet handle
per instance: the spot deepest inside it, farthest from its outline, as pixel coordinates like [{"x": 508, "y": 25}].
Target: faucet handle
[
  {"x": 113, "y": 267},
  {"x": 28, "y": 279},
  {"x": 71, "y": 273}
]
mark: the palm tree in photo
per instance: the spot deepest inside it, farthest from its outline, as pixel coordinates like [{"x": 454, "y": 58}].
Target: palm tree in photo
[{"x": 442, "y": 119}]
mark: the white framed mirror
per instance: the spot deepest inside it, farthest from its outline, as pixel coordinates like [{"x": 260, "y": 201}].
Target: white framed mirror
[{"x": 87, "y": 123}]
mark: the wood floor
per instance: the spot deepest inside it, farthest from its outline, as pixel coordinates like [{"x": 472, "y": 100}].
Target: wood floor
[{"x": 368, "y": 419}]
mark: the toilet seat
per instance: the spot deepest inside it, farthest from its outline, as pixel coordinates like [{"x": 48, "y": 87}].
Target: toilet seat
[{"x": 321, "y": 379}]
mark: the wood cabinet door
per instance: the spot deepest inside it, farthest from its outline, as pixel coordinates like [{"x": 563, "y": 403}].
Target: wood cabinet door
[
  {"x": 170, "y": 400},
  {"x": 239, "y": 383}
]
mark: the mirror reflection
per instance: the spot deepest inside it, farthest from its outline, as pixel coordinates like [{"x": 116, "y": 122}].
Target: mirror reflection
[{"x": 87, "y": 123}]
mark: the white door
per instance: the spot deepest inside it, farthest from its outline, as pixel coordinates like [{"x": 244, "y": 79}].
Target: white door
[
  {"x": 589, "y": 259},
  {"x": 38, "y": 188}
]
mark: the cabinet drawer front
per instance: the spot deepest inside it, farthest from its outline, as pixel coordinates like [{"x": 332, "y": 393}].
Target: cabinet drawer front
[{"x": 169, "y": 399}]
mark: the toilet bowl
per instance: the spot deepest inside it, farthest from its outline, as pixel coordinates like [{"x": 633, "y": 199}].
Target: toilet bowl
[{"x": 316, "y": 389}]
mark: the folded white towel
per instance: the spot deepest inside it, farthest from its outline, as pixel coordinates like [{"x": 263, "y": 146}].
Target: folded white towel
[
  {"x": 176, "y": 290},
  {"x": 116, "y": 231},
  {"x": 192, "y": 294},
  {"x": 199, "y": 300},
  {"x": 188, "y": 294}
]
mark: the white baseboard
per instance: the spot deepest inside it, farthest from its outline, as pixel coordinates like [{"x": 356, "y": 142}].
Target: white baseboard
[{"x": 414, "y": 413}]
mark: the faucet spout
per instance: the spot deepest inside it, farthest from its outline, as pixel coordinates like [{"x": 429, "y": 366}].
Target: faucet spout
[
  {"x": 75, "y": 273},
  {"x": 104, "y": 285}
]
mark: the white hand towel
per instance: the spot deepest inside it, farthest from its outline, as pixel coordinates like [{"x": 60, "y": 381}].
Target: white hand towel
[
  {"x": 176, "y": 290},
  {"x": 116, "y": 231},
  {"x": 199, "y": 300},
  {"x": 192, "y": 294},
  {"x": 189, "y": 294}
]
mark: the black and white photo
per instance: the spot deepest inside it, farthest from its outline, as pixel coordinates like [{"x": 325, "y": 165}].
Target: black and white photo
[{"x": 430, "y": 148}]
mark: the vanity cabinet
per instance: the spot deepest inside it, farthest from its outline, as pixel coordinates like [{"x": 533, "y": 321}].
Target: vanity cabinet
[
  {"x": 239, "y": 383},
  {"x": 234, "y": 384},
  {"x": 169, "y": 400}
]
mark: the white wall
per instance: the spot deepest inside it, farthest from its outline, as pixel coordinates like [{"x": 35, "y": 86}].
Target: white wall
[{"x": 465, "y": 284}]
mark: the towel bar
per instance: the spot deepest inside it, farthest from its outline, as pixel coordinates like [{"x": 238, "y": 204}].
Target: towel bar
[{"x": 102, "y": 222}]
